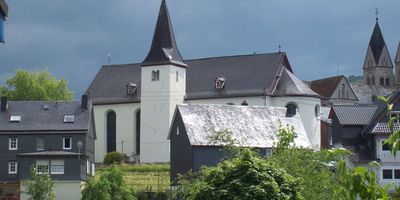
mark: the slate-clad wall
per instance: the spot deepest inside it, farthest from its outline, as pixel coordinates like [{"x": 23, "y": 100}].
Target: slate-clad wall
[
  {"x": 72, "y": 168},
  {"x": 337, "y": 130},
  {"x": 351, "y": 132},
  {"x": 27, "y": 144},
  {"x": 181, "y": 150}
]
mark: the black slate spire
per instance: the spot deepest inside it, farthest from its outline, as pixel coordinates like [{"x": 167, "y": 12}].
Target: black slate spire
[
  {"x": 376, "y": 42},
  {"x": 163, "y": 48}
]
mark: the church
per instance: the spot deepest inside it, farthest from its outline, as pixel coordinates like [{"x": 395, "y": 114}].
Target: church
[
  {"x": 133, "y": 104},
  {"x": 378, "y": 70}
]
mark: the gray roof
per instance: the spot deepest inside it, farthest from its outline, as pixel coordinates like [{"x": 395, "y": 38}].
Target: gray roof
[
  {"x": 163, "y": 48},
  {"x": 383, "y": 128},
  {"x": 290, "y": 85},
  {"x": 254, "y": 126},
  {"x": 355, "y": 114},
  {"x": 49, "y": 153},
  {"x": 4, "y": 7},
  {"x": 377, "y": 43},
  {"x": 35, "y": 118},
  {"x": 245, "y": 75}
]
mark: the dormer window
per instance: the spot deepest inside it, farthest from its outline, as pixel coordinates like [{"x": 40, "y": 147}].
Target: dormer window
[
  {"x": 155, "y": 75},
  {"x": 220, "y": 83},
  {"x": 69, "y": 118},
  {"x": 15, "y": 118},
  {"x": 131, "y": 88}
]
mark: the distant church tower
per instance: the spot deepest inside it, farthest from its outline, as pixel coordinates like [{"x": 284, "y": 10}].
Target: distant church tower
[
  {"x": 397, "y": 63},
  {"x": 163, "y": 86},
  {"x": 378, "y": 66}
]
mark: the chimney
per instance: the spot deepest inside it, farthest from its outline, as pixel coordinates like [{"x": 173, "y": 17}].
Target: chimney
[
  {"x": 84, "y": 102},
  {"x": 4, "y": 104}
]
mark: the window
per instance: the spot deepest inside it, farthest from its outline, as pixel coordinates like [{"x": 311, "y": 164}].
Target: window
[
  {"x": 155, "y": 75},
  {"x": 368, "y": 80},
  {"x": 88, "y": 167},
  {"x": 397, "y": 174},
  {"x": 69, "y": 118},
  {"x": 111, "y": 132},
  {"x": 219, "y": 83},
  {"x": 291, "y": 109},
  {"x": 177, "y": 76},
  {"x": 343, "y": 91},
  {"x": 387, "y": 174},
  {"x": 67, "y": 143},
  {"x": 177, "y": 130},
  {"x": 317, "y": 111},
  {"x": 13, "y": 143},
  {"x": 381, "y": 81},
  {"x": 244, "y": 103},
  {"x": 39, "y": 144},
  {"x": 57, "y": 166},
  {"x": 387, "y": 81},
  {"x": 373, "y": 80},
  {"x": 385, "y": 147},
  {"x": 131, "y": 88},
  {"x": 42, "y": 166},
  {"x": 137, "y": 132},
  {"x": 12, "y": 167},
  {"x": 15, "y": 118}
]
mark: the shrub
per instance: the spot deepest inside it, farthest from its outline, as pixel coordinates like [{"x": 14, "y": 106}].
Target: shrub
[{"x": 112, "y": 158}]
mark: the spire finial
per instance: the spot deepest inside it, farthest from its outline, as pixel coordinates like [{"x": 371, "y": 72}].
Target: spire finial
[
  {"x": 280, "y": 48},
  {"x": 376, "y": 13}
]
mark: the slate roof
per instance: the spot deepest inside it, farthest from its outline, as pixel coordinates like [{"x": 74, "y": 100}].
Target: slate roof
[
  {"x": 355, "y": 114},
  {"x": 290, "y": 85},
  {"x": 254, "y": 126},
  {"x": 327, "y": 86},
  {"x": 4, "y": 7},
  {"x": 377, "y": 43},
  {"x": 383, "y": 128},
  {"x": 163, "y": 48},
  {"x": 245, "y": 75},
  {"x": 35, "y": 118}
]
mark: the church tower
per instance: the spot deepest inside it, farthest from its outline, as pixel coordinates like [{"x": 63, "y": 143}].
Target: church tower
[
  {"x": 163, "y": 74},
  {"x": 378, "y": 67},
  {"x": 397, "y": 63}
]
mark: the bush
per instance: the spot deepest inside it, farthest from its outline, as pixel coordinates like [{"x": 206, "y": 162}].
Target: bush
[{"x": 112, "y": 158}]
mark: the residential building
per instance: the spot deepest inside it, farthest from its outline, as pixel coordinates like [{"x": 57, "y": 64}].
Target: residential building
[
  {"x": 53, "y": 137},
  {"x": 133, "y": 104},
  {"x": 334, "y": 90},
  {"x": 249, "y": 126},
  {"x": 3, "y": 17}
]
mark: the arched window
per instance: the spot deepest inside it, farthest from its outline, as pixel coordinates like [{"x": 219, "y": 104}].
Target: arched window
[
  {"x": 291, "y": 109},
  {"x": 111, "y": 132},
  {"x": 155, "y": 75},
  {"x": 137, "y": 140},
  {"x": 387, "y": 81},
  {"x": 372, "y": 79},
  {"x": 382, "y": 81},
  {"x": 343, "y": 90},
  {"x": 368, "y": 80}
]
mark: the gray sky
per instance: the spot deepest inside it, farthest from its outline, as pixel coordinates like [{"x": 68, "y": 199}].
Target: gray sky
[{"x": 72, "y": 38}]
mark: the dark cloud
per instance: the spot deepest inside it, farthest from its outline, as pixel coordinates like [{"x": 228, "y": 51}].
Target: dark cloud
[{"x": 73, "y": 38}]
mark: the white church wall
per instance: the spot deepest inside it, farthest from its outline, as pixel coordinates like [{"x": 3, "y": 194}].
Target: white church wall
[
  {"x": 306, "y": 107},
  {"x": 125, "y": 128}
]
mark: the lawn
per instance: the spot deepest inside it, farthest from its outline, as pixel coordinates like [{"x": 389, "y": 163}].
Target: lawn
[{"x": 145, "y": 177}]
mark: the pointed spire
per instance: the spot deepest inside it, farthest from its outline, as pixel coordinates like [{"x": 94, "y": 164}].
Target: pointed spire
[
  {"x": 377, "y": 42},
  {"x": 163, "y": 48},
  {"x": 397, "y": 59}
]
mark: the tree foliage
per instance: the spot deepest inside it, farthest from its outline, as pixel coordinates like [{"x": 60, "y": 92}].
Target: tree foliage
[
  {"x": 109, "y": 185},
  {"x": 40, "y": 187},
  {"x": 245, "y": 177},
  {"x": 36, "y": 86}
]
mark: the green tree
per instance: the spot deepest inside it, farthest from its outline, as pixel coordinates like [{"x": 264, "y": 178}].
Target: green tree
[
  {"x": 36, "y": 86},
  {"x": 246, "y": 176},
  {"x": 40, "y": 187},
  {"x": 109, "y": 185}
]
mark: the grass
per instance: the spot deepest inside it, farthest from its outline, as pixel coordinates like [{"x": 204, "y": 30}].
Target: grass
[{"x": 145, "y": 177}]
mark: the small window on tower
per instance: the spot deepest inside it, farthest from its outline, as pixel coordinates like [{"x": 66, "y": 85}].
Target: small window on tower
[
  {"x": 387, "y": 81},
  {"x": 155, "y": 75},
  {"x": 381, "y": 81},
  {"x": 177, "y": 76},
  {"x": 131, "y": 88},
  {"x": 220, "y": 83}
]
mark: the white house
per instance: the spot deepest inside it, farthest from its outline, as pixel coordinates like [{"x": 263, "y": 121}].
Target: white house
[{"x": 134, "y": 103}]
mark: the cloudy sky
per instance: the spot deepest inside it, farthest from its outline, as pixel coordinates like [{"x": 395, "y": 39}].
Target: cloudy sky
[{"x": 73, "y": 38}]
